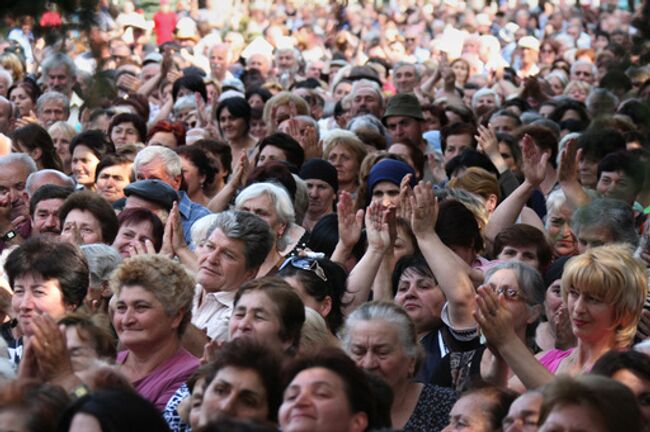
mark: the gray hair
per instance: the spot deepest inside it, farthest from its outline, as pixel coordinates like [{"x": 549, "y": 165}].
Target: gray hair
[
  {"x": 560, "y": 75},
  {"x": 102, "y": 260},
  {"x": 312, "y": 122},
  {"x": 367, "y": 121},
  {"x": 562, "y": 143},
  {"x": 367, "y": 84},
  {"x": 7, "y": 77},
  {"x": 555, "y": 200},
  {"x": 600, "y": 102},
  {"x": 594, "y": 69},
  {"x": 202, "y": 228},
  {"x": 184, "y": 102},
  {"x": 280, "y": 201},
  {"x": 172, "y": 161},
  {"x": 21, "y": 158},
  {"x": 50, "y": 96},
  {"x": 614, "y": 215},
  {"x": 58, "y": 59},
  {"x": 390, "y": 313},
  {"x": 251, "y": 230},
  {"x": 528, "y": 278},
  {"x": 401, "y": 64},
  {"x": 301, "y": 199},
  {"x": 64, "y": 127},
  {"x": 486, "y": 92},
  {"x": 34, "y": 176}
]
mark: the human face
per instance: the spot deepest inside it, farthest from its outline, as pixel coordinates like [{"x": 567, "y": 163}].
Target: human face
[
  {"x": 22, "y": 101},
  {"x": 505, "y": 281},
  {"x": 140, "y": 320},
  {"x": 578, "y": 94},
  {"x": 547, "y": 54},
  {"x": 573, "y": 418},
  {"x": 375, "y": 347},
  {"x": 45, "y": 220},
  {"x": 639, "y": 386},
  {"x": 386, "y": 193},
  {"x": 588, "y": 172},
  {"x": 34, "y": 296},
  {"x": 62, "y": 146},
  {"x": 591, "y": 318},
  {"x": 60, "y": 80},
  {"x": 89, "y": 227},
  {"x": 12, "y": 188},
  {"x": 593, "y": 236},
  {"x": 84, "y": 163},
  {"x": 583, "y": 72},
  {"x": 232, "y": 127},
  {"x": 286, "y": 60},
  {"x": 405, "y": 79},
  {"x": 366, "y": 101},
  {"x": 235, "y": 392},
  {"x": 557, "y": 88},
  {"x": 487, "y": 101},
  {"x": 345, "y": 163},
  {"x": 421, "y": 298},
  {"x": 469, "y": 414},
  {"x": 616, "y": 185},
  {"x": 316, "y": 401},
  {"x": 321, "y": 197},
  {"x": 508, "y": 157},
  {"x": 123, "y": 134},
  {"x": 461, "y": 70},
  {"x": 456, "y": 144},
  {"x": 255, "y": 316},
  {"x": 222, "y": 263},
  {"x": 51, "y": 112},
  {"x": 255, "y": 101},
  {"x": 402, "y": 127},
  {"x": 193, "y": 179},
  {"x": 558, "y": 227},
  {"x": 219, "y": 59},
  {"x": 263, "y": 207},
  {"x": 258, "y": 129},
  {"x": 196, "y": 402},
  {"x": 523, "y": 414},
  {"x": 156, "y": 170},
  {"x": 526, "y": 254},
  {"x": 403, "y": 243},
  {"x": 553, "y": 301},
  {"x": 259, "y": 62},
  {"x": 271, "y": 153},
  {"x": 342, "y": 90},
  {"x": 81, "y": 351},
  {"x": 503, "y": 124},
  {"x": 112, "y": 180},
  {"x": 404, "y": 151},
  {"x": 132, "y": 234}
]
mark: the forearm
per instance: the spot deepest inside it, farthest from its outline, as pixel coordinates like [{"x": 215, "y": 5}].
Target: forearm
[
  {"x": 381, "y": 286},
  {"x": 341, "y": 253},
  {"x": 506, "y": 213},
  {"x": 524, "y": 364},
  {"x": 575, "y": 194},
  {"x": 150, "y": 85},
  {"x": 221, "y": 200},
  {"x": 188, "y": 259},
  {"x": 361, "y": 278}
]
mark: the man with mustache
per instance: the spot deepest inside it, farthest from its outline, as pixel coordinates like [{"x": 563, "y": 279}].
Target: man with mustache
[{"x": 44, "y": 209}]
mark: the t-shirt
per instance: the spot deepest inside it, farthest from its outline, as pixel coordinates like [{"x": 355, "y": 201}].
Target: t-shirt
[{"x": 165, "y": 23}]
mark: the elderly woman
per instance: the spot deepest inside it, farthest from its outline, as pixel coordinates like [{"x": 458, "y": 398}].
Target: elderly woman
[
  {"x": 281, "y": 107},
  {"x": 151, "y": 309},
  {"x": 102, "y": 261},
  {"x": 62, "y": 134},
  {"x": 88, "y": 218},
  {"x": 558, "y": 225},
  {"x": 141, "y": 231},
  {"x": 381, "y": 339},
  {"x": 604, "y": 290},
  {"x": 346, "y": 152},
  {"x": 480, "y": 410}
]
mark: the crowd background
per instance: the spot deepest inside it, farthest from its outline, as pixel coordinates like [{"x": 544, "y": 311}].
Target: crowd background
[{"x": 229, "y": 215}]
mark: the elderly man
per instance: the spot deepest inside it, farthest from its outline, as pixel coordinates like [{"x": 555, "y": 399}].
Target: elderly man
[
  {"x": 14, "y": 209},
  {"x": 322, "y": 187},
  {"x": 47, "y": 177},
  {"x": 229, "y": 256},
  {"x": 604, "y": 221},
  {"x": 44, "y": 207},
  {"x": 366, "y": 98},
  {"x": 261, "y": 62},
  {"x": 52, "y": 107},
  {"x": 153, "y": 195},
  {"x": 583, "y": 70},
  {"x": 60, "y": 75},
  {"x": 157, "y": 162},
  {"x": 405, "y": 77},
  {"x": 220, "y": 61}
]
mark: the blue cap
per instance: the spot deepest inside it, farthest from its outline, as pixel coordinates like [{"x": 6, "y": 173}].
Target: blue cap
[{"x": 390, "y": 170}]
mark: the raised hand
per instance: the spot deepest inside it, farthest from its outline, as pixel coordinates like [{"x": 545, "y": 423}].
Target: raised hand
[
  {"x": 378, "y": 232},
  {"x": 404, "y": 210},
  {"x": 424, "y": 213},
  {"x": 487, "y": 140},
  {"x": 493, "y": 317},
  {"x": 568, "y": 169},
  {"x": 533, "y": 161},
  {"x": 50, "y": 347},
  {"x": 350, "y": 222}
]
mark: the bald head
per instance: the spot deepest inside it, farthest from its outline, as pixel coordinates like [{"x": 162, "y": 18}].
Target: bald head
[{"x": 47, "y": 176}]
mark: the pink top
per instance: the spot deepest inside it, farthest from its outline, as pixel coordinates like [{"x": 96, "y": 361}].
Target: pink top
[
  {"x": 551, "y": 360},
  {"x": 162, "y": 383}
]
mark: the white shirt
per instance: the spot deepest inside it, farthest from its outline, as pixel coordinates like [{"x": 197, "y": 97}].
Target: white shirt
[{"x": 211, "y": 312}]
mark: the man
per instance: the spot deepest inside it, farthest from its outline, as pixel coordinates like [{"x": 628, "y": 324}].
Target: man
[
  {"x": 229, "y": 256},
  {"x": 620, "y": 176},
  {"x": 220, "y": 61},
  {"x": 52, "y": 107},
  {"x": 60, "y": 75},
  {"x": 604, "y": 221},
  {"x": 44, "y": 208},
  {"x": 384, "y": 181},
  {"x": 529, "y": 47},
  {"x": 47, "y": 177},
  {"x": 161, "y": 163},
  {"x": 457, "y": 138},
  {"x": 404, "y": 120},
  {"x": 261, "y": 62},
  {"x": 583, "y": 70},
  {"x": 6, "y": 116},
  {"x": 504, "y": 121},
  {"x": 154, "y": 195},
  {"x": 6, "y": 81},
  {"x": 366, "y": 98},
  {"x": 322, "y": 187},
  {"x": 287, "y": 60},
  {"x": 405, "y": 77},
  {"x": 14, "y": 215}
]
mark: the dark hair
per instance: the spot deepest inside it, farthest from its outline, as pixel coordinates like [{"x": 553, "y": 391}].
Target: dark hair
[
  {"x": 325, "y": 235},
  {"x": 52, "y": 259},
  {"x": 520, "y": 235},
  {"x": 291, "y": 310},
  {"x": 470, "y": 158},
  {"x": 517, "y": 102},
  {"x": 624, "y": 161},
  {"x": 40, "y": 403},
  {"x": 245, "y": 353},
  {"x": 417, "y": 263},
  {"x": 457, "y": 129},
  {"x": 218, "y": 150},
  {"x": 96, "y": 141},
  {"x": 116, "y": 410},
  {"x": 543, "y": 137},
  {"x": 31, "y": 88},
  {"x": 438, "y": 112},
  {"x": 175, "y": 128},
  {"x": 139, "y": 124},
  {"x": 334, "y": 286},
  {"x": 457, "y": 226},
  {"x": 261, "y": 92},
  {"x": 100, "y": 209},
  {"x": 100, "y": 337},
  {"x": 34, "y": 136},
  {"x": 136, "y": 101},
  {"x": 497, "y": 401},
  {"x": 570, "y": 105},
  {"x": 200, "y": 160},
  {"x": 274, "y": 171},
  {"x": 616, "y": 79},
  {"x": 193, "y": 83},
  {"x": 595, "y": 144},
  {"x": 416, "y": 155},
  {"x": 47, "y": 192},
  {"x": 137, "y": 215},
  {"x": 613, "y": 361},
  {"x": 466, "y": 115},
  {"x": 355, "y": 382},
  {"x": 237, "y": 107},
  {"x": 113, "y": 159},
  {"x": 285, "y": 142},
  {"x": 512, "y": 144}
]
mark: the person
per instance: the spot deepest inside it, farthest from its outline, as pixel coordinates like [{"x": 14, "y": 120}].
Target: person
[
  {"x": 127, "y": 128},
  {"x": 346, "y": 153},
  {"x": 524, "y": 243},
  {"x": 102, "y": 261},
  {"x": 14, "y": 170},
  {"x": 322, "y": 187},
  {"x": 141, "y": 231},
  {"x": 86, "y": 150},
  {"x": 384, "y": 182},
  {"x": 154, "y": 195},
  {"x": 47, "y": 177},
  {"x": 52, "y": 107},
  {"x": 62, "y": 134},
  {"x": 604, "y": 221},
  {"x": 199, "y": 173},
  {"x": 24, "y": 95},
  {"x": 44, "y": 206},
  {"x": 381, "y": 339},
  {"x": 167, "y": 134},
  {"x": 559, "y": 214},
  {"x": 230, "y": 254},
  {"x": 151, "y": 311},
  {"x": 233, "y": 119},
  {"x": 113, "y": 173},
  {"x": 35, "y": 141},
  {"x": 31, "y": 406},
  {"x": 555, "y": 329},
  {"x": 89, "y": 340},
  {"x": 404, "y": 120},
  {"x": 87, "y": 218},
  {"x": 455, "y": 138},
  {"x": 523, "y": 413},
  {"x": 280, "y": 147},
  {"x": 480, "y": 410},
  {"x": 348, "y": 407}
]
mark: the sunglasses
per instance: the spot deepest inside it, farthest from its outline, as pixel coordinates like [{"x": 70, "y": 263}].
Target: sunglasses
[{"x": 307, "y": 264}]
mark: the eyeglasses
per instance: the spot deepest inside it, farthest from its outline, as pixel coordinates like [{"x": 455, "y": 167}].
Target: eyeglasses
[
  {"x": 509, "y": 293},
  {"x": 307, "y": 264}
]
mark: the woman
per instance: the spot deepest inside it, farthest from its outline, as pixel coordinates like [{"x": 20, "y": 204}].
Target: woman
[
  {"x": 90, "y": 341},
  {"x": 114, "y": 173},
  {"x": 31, "y": 406},
  {"x": 549, "y": 50},
  {"x": 24, "y": 95},
  {"x": 577, "y": 91},
  {"x": 233, "y": 119},
  {"x": 555, "y": 329},
  {"x": 604, "y": 290},
  {"x": 280, "y": 147},
  {"x": 461, "y": 68},
  {"x": 558, "y": 225},
  {"x": 62, "y": 134},
  {"x": 151, "y": 310},
  {"x": 346, "y": 153},
  {"x": 416, "y": 407},
  {"x": 167, "y": 134},
  {"x": 221, "y": 159},
  {"x": 257, "y": 97},
  {"x": 557, "y": 81},
  {"x": 86, "y": 150},
  {"x": 198, "y": 172},
  {"x": 87, "y": 218},
  {"x": 320, "y": 283},
  {"x": 140, "y": 231},
  {"x": 33, "y": 140},
  {"x": 480, "y": 410},
  {"x": 327, "y": 392},
  {"x": 127, "y": 128},
  {"x": 282, "y": 106}
]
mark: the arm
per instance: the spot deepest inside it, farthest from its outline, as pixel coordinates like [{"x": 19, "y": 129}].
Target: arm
[
  {"x": 452, "y": 278},
  {"x": 350, "y": 224},
  {"x": 568, "y": 175},
  {"x": 220, "y": 201},
  {"x": 489, "y": 145}
]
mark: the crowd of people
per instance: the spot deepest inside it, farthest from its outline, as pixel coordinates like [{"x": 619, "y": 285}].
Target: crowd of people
[{"x": 315, "y": 216}]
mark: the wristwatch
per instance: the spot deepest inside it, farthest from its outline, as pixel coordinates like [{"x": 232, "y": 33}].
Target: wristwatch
[{"x": 8, "y": 236}]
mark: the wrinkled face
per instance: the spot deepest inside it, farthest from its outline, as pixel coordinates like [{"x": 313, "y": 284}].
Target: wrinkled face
[
  {"x": 558, "y": 227},
  {"x": 83, "y": 165},
  {"x": 487, "y": 101},
  {"x": 263, "y": 207},
  {"x": 345, "y": 162},
  {"x": 469, "y": 414},
  {"x": 12, "y": 189},
  {"x": 316, "y": 401},
  {"x": 406, "y": 79},
  {"x": 617, "y": 185},
  {"x": 58, "y": 78},
  {"x": 366, "y": 101},
  {"x": 235, "y": 392},
  {"x": 124, "y": 133},
  {"x": 88, "y": 226},
  {"x": 51, "y": 112},
  {"x": 321, "y": 196},
  {"x": 112, "y": 180},
  {"x": 403, "y": 127},
  {"x": 34, "y": 296},
  {"x": 132, "y": 234},
  {"x": 583, "y": 72},
  {"x": 255, "y": 316},
  {"x": 421, "y": 298},
  {"x": 155, "y": 170},
  {"x": 45, "y": 220},
  {"x": 526, "y": 254},
  {"x": 566, "y": 418},
  {"x": 222, "y": 263},
  {"x": 286, "y": 60}
]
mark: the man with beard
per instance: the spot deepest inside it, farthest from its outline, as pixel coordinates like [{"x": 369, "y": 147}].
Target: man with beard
[
  {"x": 14, "y": 212},
  {"x": 44, "y": 209},
  {"x": 322, "y": 187}
]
